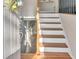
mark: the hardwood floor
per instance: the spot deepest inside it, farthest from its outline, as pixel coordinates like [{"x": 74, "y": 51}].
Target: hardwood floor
[{"x": 27, "y": 56}]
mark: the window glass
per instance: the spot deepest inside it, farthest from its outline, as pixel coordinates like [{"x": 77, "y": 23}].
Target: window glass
[{"x": 67, "y": 6}]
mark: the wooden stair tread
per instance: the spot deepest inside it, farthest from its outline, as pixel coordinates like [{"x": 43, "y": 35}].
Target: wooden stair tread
[
  {"x": 50, "y": 17},
  {"x": 50, "y": 22},
  {"x": 47, "y": 12},
  {"x": 56, "y": 55},
  {"x": 53, "y": 36},
  {"x": 61, "y": 45},
  {"x": 51, "y": 29},
  {"x": 48, "y": 36}
]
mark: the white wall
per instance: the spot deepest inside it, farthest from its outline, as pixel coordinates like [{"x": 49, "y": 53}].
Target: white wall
[
  {"x": 16, "y": 55},
  {"x": 11, "y": 43},
  {"x": 69, "y": 23},
  {"x": 29, "y": 8},
  {"x": 49, "y": 6}
]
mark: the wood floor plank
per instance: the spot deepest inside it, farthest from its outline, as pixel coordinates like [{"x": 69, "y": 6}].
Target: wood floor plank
[{"x": 27, "y": 55}]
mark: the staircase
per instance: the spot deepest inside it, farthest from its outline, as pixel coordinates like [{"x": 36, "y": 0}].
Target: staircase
[{"x": 53, "y": 41}]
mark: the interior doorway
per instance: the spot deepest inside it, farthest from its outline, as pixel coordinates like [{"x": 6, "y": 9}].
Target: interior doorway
[{"x": 47, "y": 6}]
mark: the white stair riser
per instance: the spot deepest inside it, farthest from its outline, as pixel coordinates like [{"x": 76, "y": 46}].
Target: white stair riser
[
  {"x": 52, "y": 40},
  {"x": 50, "y": 25},
  {"x": 49, "y": 15},
  {"x": 51, "y": 49},
  {"x": 49, "y": 20},
  {"x": 52, "y": 32}
]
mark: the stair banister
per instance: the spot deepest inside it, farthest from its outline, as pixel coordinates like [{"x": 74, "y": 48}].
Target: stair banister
[{"x": 38, "y": 27}]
